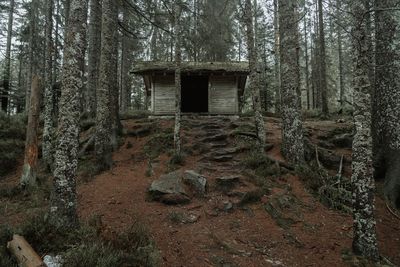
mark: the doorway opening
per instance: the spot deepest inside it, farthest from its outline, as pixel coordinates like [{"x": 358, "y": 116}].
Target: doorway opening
[{"x": 194, "y": 94}]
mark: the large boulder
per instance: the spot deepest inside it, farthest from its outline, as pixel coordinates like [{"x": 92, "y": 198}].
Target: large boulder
[
  {"x": 197, "y": 182},
  {"x": 170, "y": 189}
]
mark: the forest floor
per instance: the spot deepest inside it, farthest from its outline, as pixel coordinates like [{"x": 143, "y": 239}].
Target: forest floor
[{"x": 284, "y": 226}]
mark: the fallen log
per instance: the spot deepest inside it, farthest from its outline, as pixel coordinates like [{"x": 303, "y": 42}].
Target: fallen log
[{"x": 26, "y": 256}]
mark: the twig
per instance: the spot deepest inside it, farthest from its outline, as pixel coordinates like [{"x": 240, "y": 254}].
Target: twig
[
  {"x": 339, "y": 175},
  {"x": 86, "y": 146},
  {"x": 391, "y": 211},
  {"x": 317, "y": 157}
]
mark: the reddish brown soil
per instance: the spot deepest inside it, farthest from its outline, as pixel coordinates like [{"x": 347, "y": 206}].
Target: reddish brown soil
[{"x": 242, "y": 237}]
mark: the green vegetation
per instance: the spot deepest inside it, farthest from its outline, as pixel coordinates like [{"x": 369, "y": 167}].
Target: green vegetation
[
  {"x": 162, "y": 142},
  {"x": 84, "y": 246},
  {"x": 332, "y": 191},
  {"x": 12, "y": 141}
]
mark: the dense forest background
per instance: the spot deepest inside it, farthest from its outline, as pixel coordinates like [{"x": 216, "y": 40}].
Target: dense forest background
[
  {"x": 320, "y": 112},
  {"x": 211, "y": 31}
]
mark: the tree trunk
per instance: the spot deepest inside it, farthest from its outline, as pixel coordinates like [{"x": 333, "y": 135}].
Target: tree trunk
[
  {"x": 276, "y": 60},
  {"x": 49, "y": 96},
  {"x": 178, "y": 59},
  {"x": 33, "y": 62},
  {"x": 254, "y": 85},
  {"x": 306, "y": 59},
  {"x": 340, "y": 54},
  {"x": 322, "y": 55},
  {"x": 7, "y": 68},
  {"x": 364, "y": 237},
  {"x": 386, "y": 103},
  {"x": 126, "y": 79},
  {"x": 292, "y": 129},
  {"x": 63, "y": 206},
  {"x": 93, "y": 54},
  {"x": 107, "y": 83},
  {"x": 28, "y": 177}
]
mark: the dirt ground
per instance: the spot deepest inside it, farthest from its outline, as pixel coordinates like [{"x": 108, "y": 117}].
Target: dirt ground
[{"x": 240, "y": 236}]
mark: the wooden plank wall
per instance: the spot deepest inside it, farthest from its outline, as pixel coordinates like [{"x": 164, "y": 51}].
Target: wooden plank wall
[
  {"x": 164, "y": 95},
  {"x": 223, "y": 95}
]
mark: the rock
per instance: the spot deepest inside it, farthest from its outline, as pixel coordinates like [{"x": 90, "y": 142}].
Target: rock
[
  {"x": 190, "y": 218},
  {"x": 344, "y": 140},
  {"x": 223, "y": 158},
  {"x": 196, "y": 181},
  {"x": 218, "y": 144},
  {"x": 51, "y": 261},
  {"x": 226, "y": 206},
  {"x": 170, "y": 183},
  {"x": 247, "y": 134},
  {"x": 216, "y": 137},
  {"x": 226, "y": 151},
  {"x": 228, "y": 181},
  {"x": 174, "y": 199},
  {"x": 169, "y": 189}
]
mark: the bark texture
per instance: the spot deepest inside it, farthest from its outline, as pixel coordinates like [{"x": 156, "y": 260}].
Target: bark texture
[
  {"x": 28, "y": 178},
  {"x": 126, "y": 76},
  {"x": 292, "y": 125},
  {"x": 63, "y": 207},
  {"x": 49, "y": 95},
  {"x": 7, "y": 68},
  {"x": 277, "y": 72},
  {"x": 255, "y": 74},
  {"x": 107, "y": 83},
  {"x": 322, "y": 57},
  {"x": 178, "y": 59},
  {"x": 93, "y": 54},
  {"x": 364, "y": 237},
  {"x": 387, "y": 96}
]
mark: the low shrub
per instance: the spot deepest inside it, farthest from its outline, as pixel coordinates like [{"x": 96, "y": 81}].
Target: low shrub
[{"x": 83, "y": 246}]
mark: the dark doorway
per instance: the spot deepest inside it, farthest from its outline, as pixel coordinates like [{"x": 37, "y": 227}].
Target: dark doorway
[{"x": 194, "y": 94}]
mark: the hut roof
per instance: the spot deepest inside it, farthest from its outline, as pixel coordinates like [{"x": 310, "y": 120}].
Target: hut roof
[{"x": 146, "y": 67}]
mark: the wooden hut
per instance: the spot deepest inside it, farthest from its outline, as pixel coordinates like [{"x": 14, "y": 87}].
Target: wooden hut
[{"x": 209, "y": 88}]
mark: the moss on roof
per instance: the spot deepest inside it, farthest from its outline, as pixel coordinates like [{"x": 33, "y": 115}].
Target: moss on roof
[{"x": 149, "y": 66}]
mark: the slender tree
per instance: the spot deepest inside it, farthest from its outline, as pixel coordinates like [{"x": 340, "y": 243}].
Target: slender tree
[
  {"x": 7, "y": 69},
  {"x": 49, "y": 95},
  {"x": 93, "y": 54},
  {"x": 340, "y": 54},
  {"x": 178, "y": 59},
  {"x": 322, "y": 60},
  {"x": 292, "y": 129},
  {"x": 254, "y": 86},
  {"x": 276, "y": 60},
  {"x": 306, "y": 58},
  {"x": 364, "y": 237},
  {"x": 63, "y": 207},
  {"x": 107, "y": 83},
  {"x": 126, "y": 61}
]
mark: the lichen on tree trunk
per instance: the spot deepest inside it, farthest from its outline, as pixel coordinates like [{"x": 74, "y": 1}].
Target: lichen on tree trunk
[
  {"x": 178, "y": 59},
  {"x": 93, "y": 54},
  {"x": 107, "y": 83},
  {"x": 63, "y": 207},
  {"x": 292, "y": 125},
  {"x": 255, "y": 73},
  {"x": 49, "y": 96},
  {"x": 364, "y": 239}
]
